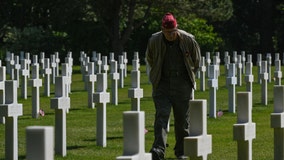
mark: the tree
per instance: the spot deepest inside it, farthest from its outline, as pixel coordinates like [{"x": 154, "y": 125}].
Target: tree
[
  {"x": 255, "y": 26},
  {"x": 119, "y": 19}
]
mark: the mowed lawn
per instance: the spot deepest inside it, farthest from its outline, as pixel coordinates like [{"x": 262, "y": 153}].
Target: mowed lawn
[{"x": 81, "y": 121}]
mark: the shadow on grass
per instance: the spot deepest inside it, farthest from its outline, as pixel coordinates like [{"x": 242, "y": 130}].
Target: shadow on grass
[
  {"x": 75, "y": 109},
  {"x": 19, "y": 157},
  {"x": 75, "y": 147},
  {"x": 108, "y": 138}
]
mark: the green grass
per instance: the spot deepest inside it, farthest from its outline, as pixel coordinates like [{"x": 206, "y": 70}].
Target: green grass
[{"x": 81, "y": 122}]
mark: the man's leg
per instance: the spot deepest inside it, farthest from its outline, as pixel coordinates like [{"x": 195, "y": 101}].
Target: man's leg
[
  {"x": 163, "y": 110},
  {"x": 181, "y": 116}
]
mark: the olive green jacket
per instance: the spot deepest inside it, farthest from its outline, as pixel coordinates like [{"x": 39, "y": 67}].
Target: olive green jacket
[{"x": 156, "y": 50}]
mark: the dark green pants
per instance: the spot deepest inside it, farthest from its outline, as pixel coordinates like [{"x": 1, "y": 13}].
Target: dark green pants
[{"x": 172, "y": 93}]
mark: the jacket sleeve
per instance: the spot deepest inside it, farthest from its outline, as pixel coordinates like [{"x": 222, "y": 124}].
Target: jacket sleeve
[
  {"x": 191, "y": 50},
  {"x": 149, "y": 55},
  {"x": 195, "y": 54}
]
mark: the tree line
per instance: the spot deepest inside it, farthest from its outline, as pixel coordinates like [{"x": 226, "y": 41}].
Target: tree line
[{"x": 104, "y": 26}]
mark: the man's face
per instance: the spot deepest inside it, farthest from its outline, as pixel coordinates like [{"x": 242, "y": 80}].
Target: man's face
[{"x": 170, "y": 34}]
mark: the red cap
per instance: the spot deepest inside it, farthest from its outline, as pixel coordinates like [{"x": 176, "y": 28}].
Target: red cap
[{"x": 169, "y": 21}]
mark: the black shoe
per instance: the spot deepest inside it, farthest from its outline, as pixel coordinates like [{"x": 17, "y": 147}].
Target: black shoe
[{"x": 157, "y": 154}]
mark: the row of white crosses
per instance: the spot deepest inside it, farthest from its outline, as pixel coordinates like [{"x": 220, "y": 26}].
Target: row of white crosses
[
  {"x": 101, "y": 97},
  {"x": 61, "y": 104},
  {"x": 102, "y": 65},
  {"x": 10, "y": 109},
  {"x": 40, "y": 139},
  {"x": 230, "y": 70},
  {"x": 277, "y": 72},
  {"x": 15, "y": 64},
  {"x": 134, "y": 120},
  {"x": 35, "y": 82},
  {"x": 114, "y": 76},
  {"x": 135, "y": 92},
  {"x": 199, "y": 144}
]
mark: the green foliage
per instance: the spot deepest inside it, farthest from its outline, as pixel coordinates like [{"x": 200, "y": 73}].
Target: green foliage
[
  {"x": 213, "y": 10},
  {"x": 204, "y": 33},
  {"x": 33, "y": 40},
  {"x": 18, "y": 40}
]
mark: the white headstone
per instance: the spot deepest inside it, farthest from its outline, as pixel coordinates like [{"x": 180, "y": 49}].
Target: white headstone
[
  {"x": 11, "y": 110},
  {"x": 12, "y": 66},
  {"x": 269, "y": 63},
  {"x": 216, "y": 62},
  {"x": 61, "y": 103},
  {"x": 231, "y": 83},
  {"x": 53, "y": 67},
  {"x": 99, "y": 63},
  {"x": 41, "y": 63},
  {"x": 239, "y": 70},
  {"x": 243, "y": 53},
  {"x": 121, "y": 71},
  {"x": 40, "y": 142},
  {"x": 91, "y": 78},
  {"x": 277, "y": 56},
  {"x": 202, "y": 74},
  {"x": 65, "y": 69},
  {"x": 259, "y": 71},
  {"x": 125, "y": 61},
  {"x": 57, "y": 61},
  {"x": 69, "y": 61},
  {"x": 277, "y": 122},
  {"x": 82, "y": 59},
  {"x": 208, "y": 62},
  {"x": 85, "y": 71},
  {"x": 198, "y": 143},
  {"x": 35, "y": 82},
  {"x": 35, "y": 59},
  {"x": 105, "y": 64},
  {"x": 212, "y": 84},
  {"x": 249, "y": 77},
  {"x": 101, "y": 98},
  {"x": 17, "y": 67},
  {"x": 135, "y": 92},
  {"x": 27, "y": 57},
  {"x": 226, "y": 62},
  {"x": 111, "y": 57},
  {"x": 24, "y": 80},
  {"x": 235, "y": 57},
  {"x": 134, "y": 133},
  {"x": 277, "y": 72},
  {"x": 264, "y": 79},
  {"x": 47, "y": 73},
  {"x": 114, "y": 76},
  {"x": 245, "y": 130}
]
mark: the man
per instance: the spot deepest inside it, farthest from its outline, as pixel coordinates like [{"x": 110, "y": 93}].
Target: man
[{"x": 173, "y": 56}]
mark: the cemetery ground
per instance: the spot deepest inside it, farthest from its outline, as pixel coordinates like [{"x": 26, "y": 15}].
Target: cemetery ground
[{"x": 81, "y": 121}]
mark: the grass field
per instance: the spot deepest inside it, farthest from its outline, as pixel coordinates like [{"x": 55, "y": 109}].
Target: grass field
[{"x": 81, "y": 122}]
